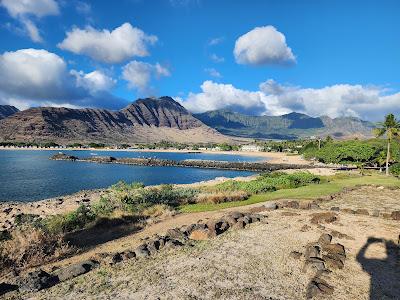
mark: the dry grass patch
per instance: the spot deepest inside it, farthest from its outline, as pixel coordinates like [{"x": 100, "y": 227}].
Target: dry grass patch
[{"x": 29, "y": 247}]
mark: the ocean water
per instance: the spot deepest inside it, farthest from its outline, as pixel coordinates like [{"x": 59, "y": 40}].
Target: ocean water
[{"x": 29, "y": 175}]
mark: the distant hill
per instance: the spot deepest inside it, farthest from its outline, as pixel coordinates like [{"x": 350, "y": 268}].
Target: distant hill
[
  {"x": 146, "y": 120},
  {"x": 289, "y": 126},
  {"x": 7, "y": 110}
]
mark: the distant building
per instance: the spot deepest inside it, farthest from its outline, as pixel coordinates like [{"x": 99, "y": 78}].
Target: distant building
[{"x": 251, "y": 148}]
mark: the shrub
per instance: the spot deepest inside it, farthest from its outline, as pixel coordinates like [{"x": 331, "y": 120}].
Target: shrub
[
  {"x": 221, "y": 197},
  {"x": 395, "y": 169},
  {"x": 77, "y": 219},
  {"x": 30, "y": 247},
  {"x": 269, "y": 182}
]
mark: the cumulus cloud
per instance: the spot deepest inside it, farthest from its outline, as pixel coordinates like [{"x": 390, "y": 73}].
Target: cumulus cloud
[
  {"x": 215, "y": 58},
  {"x": 263, "y": 46},
  {"x": 25, "y": 10},
  {"x": 212, "y": 72},
  {"x": 224, "y": 96},
  {"x": 139, "y": 74},
  {"x": 107, "y": 46},
  {"x": 32, "y": 77},
  {"x": 272, "y": 98}
]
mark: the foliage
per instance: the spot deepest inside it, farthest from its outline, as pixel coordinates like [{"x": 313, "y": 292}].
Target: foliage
[
  {"x": 74, "y": 220},
  {"x": 371, "y": 152},
  {"x": 269, "y": 182},
  {"x": 395, "y": 169}
]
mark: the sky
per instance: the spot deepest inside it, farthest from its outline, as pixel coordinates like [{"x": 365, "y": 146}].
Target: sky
[{"x": 319, "y": 57}]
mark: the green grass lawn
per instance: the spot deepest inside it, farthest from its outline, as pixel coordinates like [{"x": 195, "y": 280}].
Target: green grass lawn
[{"x": 335, "y": 184}]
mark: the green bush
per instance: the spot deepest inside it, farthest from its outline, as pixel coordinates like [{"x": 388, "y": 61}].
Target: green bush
[
  {"x": 269, "y": 182},
  {"x": 77, "y": 219},
  {"x": 395, "y": 169}
]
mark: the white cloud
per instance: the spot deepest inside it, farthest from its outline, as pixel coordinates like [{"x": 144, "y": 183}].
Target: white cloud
[
  {"x": 263, "y": 46},
  {"x": 24, "y": 10},
  {"x": 212, "y": 72},
  {"x": 365, "y": 102},
  {"x": 38, "y": 8},
  {"x": 216, "y": 41},
  {"x": 215, "y": 58},
  {"x": 139, "y": 74},
  {"x": 94, "y": 81},
  {"x": 219, "y": 96},
  {"x": 107, "y": 46},
  {"x": 38, "y": 77}
]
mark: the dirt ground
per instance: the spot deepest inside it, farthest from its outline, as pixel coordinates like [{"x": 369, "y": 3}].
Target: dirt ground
[{"x": 253, "y": 263}]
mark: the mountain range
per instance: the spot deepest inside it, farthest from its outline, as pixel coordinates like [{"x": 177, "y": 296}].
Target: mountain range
[
  {"x": 156, "y": 119},
  {"x": 290, "y": 126},
  {"x": 144, "y": 121}
]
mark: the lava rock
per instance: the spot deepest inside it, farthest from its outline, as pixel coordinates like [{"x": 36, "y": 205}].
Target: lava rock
[
  {"x": 36, "y": 281},
  {"x": 75, "y": 270}
]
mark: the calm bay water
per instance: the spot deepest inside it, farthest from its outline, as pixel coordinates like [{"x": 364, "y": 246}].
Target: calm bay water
[{"x": 27, "y": 175}]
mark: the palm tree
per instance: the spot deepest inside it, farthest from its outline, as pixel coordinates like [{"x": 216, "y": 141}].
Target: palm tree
[{"x": 390, "y": 127}]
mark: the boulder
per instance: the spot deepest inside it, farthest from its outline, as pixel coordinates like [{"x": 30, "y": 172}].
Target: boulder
[
  {"x": 171, "y": 244},
  {"x": 315, "y": 263},
  {"x": 312, "y": 251},
  {"x": 236, "y": 215},
  {"x": 335, "y": 248},
  {"x": 240, "y": 224},
  {"x": 305, "y": 228},
  {"x": 128, "y": 255},
  {"x": 271, "y": 206},
  {"x": 324, "y": 217},
  {"x": 325, "y": 239},
  {"x": 257, "y": 217},
  {"x": 318, "y": 287},
  {"x": 340, "y": 235},
  {"x": 36, "y": 281},
  {"x": 75, "y": 270},
  {"x": 361, "y": 211},
  {"x": 152, "y": 247},
  {"x": 348, "y": 211},
  {"x": 141, "y": 251},
  {"x": 335, "y": 208},
  {"x": 6, "y": 287},
  {"x": 333, "y": 261},
  {"x": 395, "y": 215},
  {"x": 230, "y": 220},
  {"x": 201, "y": 234},
  {"x": 293, "y": 204},
  {"x": 177, "y": 234}
]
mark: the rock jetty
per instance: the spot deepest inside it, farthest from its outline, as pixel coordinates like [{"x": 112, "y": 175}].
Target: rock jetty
[{"x": 204, "y": 164}]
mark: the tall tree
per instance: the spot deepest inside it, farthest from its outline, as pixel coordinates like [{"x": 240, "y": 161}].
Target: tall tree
[{"x": 391, "y": 128}]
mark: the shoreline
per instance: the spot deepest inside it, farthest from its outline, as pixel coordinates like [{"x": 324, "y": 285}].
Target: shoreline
[{"x": 271, "y": 157}]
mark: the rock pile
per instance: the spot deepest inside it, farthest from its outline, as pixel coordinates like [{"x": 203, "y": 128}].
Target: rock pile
[
  {"x": 321, "y": 258},
  {"x": 174, "y": 238}
]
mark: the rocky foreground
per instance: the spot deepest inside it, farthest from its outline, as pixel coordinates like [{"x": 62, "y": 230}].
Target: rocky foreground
[{"x": 282, "y": 250}]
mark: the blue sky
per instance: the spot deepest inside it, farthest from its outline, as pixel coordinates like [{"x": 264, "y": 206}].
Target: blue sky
[{"x": 336, "y": 57}]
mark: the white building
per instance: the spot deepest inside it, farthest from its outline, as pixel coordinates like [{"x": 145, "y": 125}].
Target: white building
[{"x": 251, "y": 148}]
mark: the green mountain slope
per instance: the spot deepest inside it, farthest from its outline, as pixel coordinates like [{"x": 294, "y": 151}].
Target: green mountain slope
[{"x": 289, "y": 126}]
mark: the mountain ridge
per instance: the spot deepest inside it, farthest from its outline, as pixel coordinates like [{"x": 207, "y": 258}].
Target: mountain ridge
[
  {"x": 145, "y": 120},
  {"x": 288, "y": 126}
]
